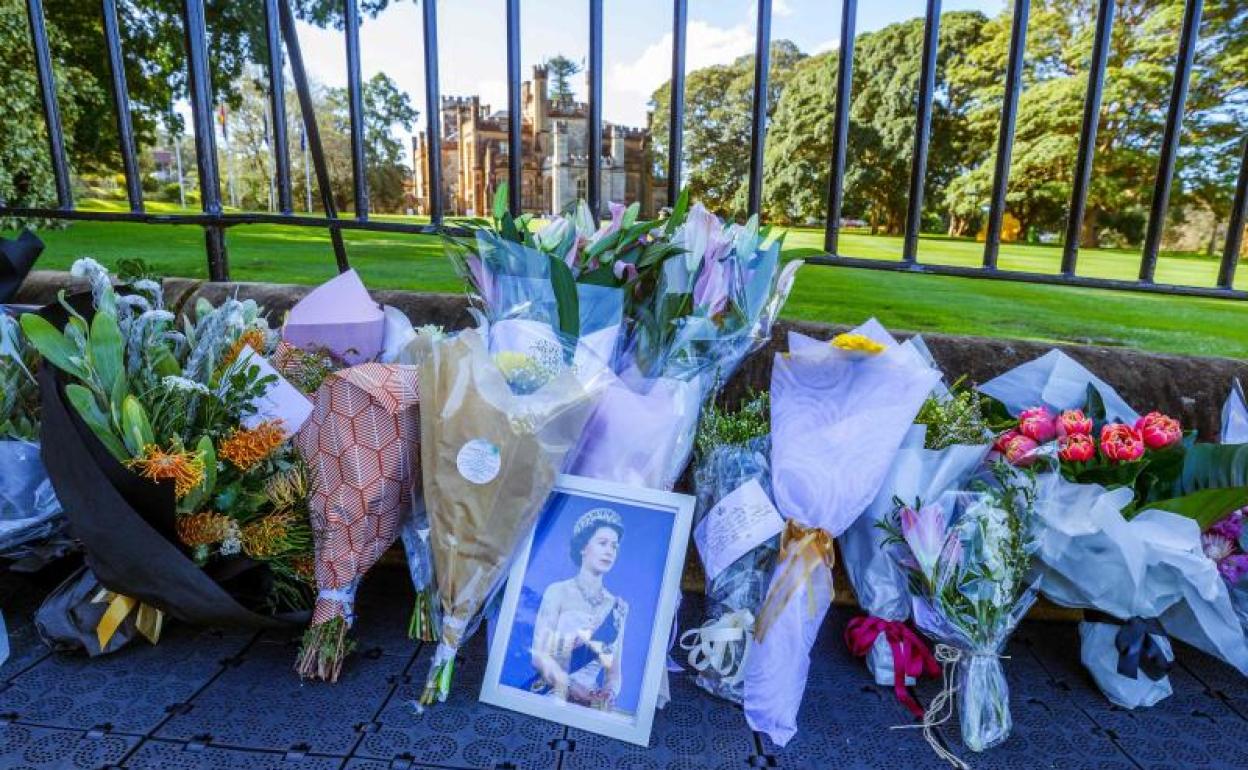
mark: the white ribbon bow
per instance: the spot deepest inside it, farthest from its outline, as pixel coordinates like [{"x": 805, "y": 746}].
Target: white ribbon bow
[{"x": 712, "y": 646}]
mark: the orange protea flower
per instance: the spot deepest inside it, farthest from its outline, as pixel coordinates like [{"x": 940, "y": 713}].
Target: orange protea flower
[
  {"x": 247, "y": 447},
  {"x": 266, "y": 537},
  {"x": 203, "y": 528},
  {"x": 253, "y": 337},
  {"x": 185, "y": 469}
]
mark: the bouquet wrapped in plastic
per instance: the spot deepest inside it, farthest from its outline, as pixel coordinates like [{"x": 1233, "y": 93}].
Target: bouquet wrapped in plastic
[
  {"x": 495, "y": 430},
  {"x": 710, "y": 306},
  {"x": 1120, "y": 527},
  {"x": 737, "y": 531},
  {"x": 172, "y": 460},
  {"x": 968, "y": 559},
  {"x": 839, "y": 413}
]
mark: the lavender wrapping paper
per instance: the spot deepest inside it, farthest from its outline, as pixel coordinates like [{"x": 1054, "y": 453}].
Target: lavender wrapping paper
[{"x": 837, "y": 420}]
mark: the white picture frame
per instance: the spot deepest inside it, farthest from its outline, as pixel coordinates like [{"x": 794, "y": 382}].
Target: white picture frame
[{"x": 631, "y": 727}]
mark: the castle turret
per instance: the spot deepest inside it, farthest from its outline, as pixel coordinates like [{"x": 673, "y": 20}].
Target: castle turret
[
  {"x": 541, "y": 100},
  {"x": 617, "y": 146}
]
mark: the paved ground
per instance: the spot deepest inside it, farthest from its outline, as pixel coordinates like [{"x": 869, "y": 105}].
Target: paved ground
[{"x": 208, "y": 700}]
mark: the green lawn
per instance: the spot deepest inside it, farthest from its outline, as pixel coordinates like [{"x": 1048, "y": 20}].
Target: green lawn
[{"x": 840, "y": 295}]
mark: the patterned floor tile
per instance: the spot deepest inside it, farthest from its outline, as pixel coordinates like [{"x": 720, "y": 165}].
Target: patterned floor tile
[
  {"x": 165, "y": 755},
  {"x": 22, "y": 747}
]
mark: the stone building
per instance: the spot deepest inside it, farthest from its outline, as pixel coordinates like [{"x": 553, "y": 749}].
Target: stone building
[{"x": 555, "y": 159}]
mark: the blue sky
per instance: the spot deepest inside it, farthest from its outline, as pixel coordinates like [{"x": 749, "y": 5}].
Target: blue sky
[{"x": 636, "y": 45}]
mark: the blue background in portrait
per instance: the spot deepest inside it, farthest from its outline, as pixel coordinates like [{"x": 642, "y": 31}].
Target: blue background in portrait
[{"x": 637, "y": 578}]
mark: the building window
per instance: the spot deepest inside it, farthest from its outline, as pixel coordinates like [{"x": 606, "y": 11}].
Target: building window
[{"x": 582, "y": 188}]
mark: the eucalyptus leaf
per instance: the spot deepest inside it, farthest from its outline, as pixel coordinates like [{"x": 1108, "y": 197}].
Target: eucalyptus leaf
[
  {"x": 83, "y": 401},
  {"x": 54, "y": 346},
  {"x": 107, "y": 350}
]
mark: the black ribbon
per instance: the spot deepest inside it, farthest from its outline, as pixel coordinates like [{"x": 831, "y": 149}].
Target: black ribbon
[{"x": 1138, "y": 648}]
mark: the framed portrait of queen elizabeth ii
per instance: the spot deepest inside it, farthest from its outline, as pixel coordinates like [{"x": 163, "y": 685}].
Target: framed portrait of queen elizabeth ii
[{"x": 585, "y": 620}]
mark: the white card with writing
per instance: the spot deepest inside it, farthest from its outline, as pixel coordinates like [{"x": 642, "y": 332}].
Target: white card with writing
[
  {"x": 280, "y": 401},
  {"x": 744, "y": 519}
]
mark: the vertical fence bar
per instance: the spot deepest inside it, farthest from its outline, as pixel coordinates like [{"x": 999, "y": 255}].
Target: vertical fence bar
[
  {"x": 121, "y": 102},
  {"x": 515, "y": 167},
  {"x": 433, "y": 111},
  {"x": 47, "y": 94},
  {"x": 355, "y": 97},
  {"x": 758, "y": 124},
  {"x": 1235, "y": 231},
  {"x": 1087, "y": 135},
  {"x": 277, "y": 106},
  {"x": 312, "y": 131},
  {"x": 1005, "y": 141},
  {"x": 840, "y": 126},
  {"x": 199, "y": 83},
  {"x": 1170, "y": 139},
  {"x": 923, "y": 132},
  {"x": 676, "y": 120},
  {"x": 595, "y": 108}
]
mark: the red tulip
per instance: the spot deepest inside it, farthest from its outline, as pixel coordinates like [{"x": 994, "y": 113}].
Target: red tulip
[
  {"x": 1158, "y": 430},
  {"x": 1121, "y": 443},
  {"x": 1076, "y": 448},
  {"x": 1073, "y": 422}
]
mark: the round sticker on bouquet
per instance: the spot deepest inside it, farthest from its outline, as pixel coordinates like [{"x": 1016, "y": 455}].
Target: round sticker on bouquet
[{"x": 478, "y": 461}]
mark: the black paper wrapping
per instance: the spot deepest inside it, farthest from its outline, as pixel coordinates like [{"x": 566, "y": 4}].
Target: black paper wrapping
[
  {"x": 67, "y": 618},
  {"x": 17, "y": 257}
]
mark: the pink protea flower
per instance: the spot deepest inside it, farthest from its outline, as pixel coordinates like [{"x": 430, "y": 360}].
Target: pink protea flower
[
  {"x": 1076, "y": 448},
  {"x": 1121, "y": 443},
  {"x": 924, "y": 532},
  {"x": 1158, "y": 430},
  {"x": 1037, "y": 424},
  {"x": 1216, "y": 547},
  {"x": 1073, "y": 422}
]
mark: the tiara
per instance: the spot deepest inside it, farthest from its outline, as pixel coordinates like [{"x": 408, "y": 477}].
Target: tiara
[{"x": 596, "y": 518}]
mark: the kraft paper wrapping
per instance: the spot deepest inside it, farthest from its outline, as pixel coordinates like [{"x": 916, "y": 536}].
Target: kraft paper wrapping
[{"x": 476, "y": 524}]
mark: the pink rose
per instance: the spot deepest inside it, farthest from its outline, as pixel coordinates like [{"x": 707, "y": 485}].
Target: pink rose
[
  {"x": 1158, "y": 430},
  {"x": 1020, "y": 450},
  {"x": 1076, "y": 448},
  {"x": 1073, "y": 422},
  {"x": 1037, "y": 424},
  {"x": 1121, "y": 443}
]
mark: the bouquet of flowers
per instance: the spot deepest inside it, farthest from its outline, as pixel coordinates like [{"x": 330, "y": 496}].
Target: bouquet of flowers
[
  {"x": 495, "y": 428},
  {"x": 736, "y": 529},
  {"x": 944, "y": 449},
  {"x": 174, "y": 468},
  {"x": 713, "y": 303},
  {"x": 839, "y": 413},
  {"x": 968, "y": 558},
  {"x": 1119, "y": 526}
]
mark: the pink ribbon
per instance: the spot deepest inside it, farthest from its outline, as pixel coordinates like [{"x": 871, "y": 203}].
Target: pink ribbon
[{"x": 911, "y": 656}]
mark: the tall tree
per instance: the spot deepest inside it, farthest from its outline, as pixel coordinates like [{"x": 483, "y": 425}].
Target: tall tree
[
  {"x": 561, "y": 70},
  {"x": 385, "y": 106}
]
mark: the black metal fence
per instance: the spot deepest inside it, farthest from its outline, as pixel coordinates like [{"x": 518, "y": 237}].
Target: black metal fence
[{"x": 280, "y": 29}]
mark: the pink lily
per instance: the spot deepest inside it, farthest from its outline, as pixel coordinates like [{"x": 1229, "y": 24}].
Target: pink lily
[{"x": 924, "y": 533}]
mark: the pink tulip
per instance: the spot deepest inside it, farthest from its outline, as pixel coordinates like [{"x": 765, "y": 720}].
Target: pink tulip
[
  {"x": 1020, "y": 450},
  {"x": 1076, "y": 448},
  {"x": 1121, "y": 443},
  {"x": 1037, "y": 424},
  {"x": 1158, "y": 430},
  {"x": 1073, "y": 422},
  {"x": 924, "y": 533}
]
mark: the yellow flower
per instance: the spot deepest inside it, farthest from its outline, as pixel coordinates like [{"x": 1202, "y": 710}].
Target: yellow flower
[
  {"x": 253, "y": 338},
  {"x": 247, "y": 447},
  {"x": 267, "y": 537},
  {"x": 857, "y": 343},
  {"x": 184, "y": 469}
]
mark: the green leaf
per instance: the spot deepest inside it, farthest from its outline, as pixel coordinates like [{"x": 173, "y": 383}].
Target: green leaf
[
  {"x": 603, "y": 244},
  {"x": 1095, "y": 406},
  {"x": 600, "y": 276},
  {"x": 1212, "y": 466},
  {"x": 500, "y": 201},
  {"x": 106, "y": 350},
  {"x": 164, "y": 362},
  {"x": 54, "y": 346},
  {"x": 136, "y": 430},
  {"x": 1206, "y": 507},
  {"x": 679, "y": 212},
  {"x": 630, "y": 215},
  {"x": 196, "y": 498},
  {"x": 83, "y": 401},
  {"x": 564, "y": 286}
]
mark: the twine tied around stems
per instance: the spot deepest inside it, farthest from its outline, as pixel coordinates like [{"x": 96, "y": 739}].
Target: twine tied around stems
[{"x": 940, "y": 710}]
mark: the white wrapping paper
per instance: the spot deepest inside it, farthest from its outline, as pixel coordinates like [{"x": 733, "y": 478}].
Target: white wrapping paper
[
  {"x": 838, "y": 419},
  {"x": 1152, "y": 566},
  {"x": 1235, "y": 417},
  {"x": 1057, "y": 381},
  {"x": 1098, "y": 651}
]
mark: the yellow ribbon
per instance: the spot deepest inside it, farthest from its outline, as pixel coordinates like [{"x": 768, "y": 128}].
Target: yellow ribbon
[
  {"x": 147, "y": 621},
  {"x": 802, "y": 550}
]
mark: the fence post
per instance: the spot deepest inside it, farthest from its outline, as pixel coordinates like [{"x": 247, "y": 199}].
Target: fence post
[
  {"x": 47, "y": 95},
  {"x": 923, "y": 133},
  {"x": 1005, "y": 141},
  {"x": 758, "y": 125},
  {"x": 840, "y": 126},
  {"x": 200, "y": 86}
]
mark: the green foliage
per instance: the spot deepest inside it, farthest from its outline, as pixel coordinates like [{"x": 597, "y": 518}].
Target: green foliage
[
  {"x": 561, "y": 69},
  {"x": 958, "y": 419},
  {"x": 730, "y": 427}
]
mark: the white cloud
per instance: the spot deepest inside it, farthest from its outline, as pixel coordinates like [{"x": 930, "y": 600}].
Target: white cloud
[
  {"x": 827, "y": 45},
  {"x": 781, "y": 8}
]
